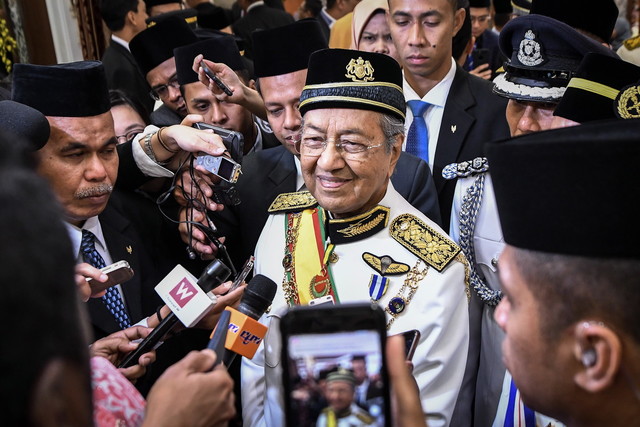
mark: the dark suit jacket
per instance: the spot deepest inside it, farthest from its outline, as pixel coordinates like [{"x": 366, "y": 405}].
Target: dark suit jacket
[
  {"x": 268, "y": 173},
  {"x": 120, "y": 235},
  {"x": 123, "y": 73},
  {"x": 473, "y": 115},
  {"x": 324, "y": 27},
  {"x": 259, "y": 18}
]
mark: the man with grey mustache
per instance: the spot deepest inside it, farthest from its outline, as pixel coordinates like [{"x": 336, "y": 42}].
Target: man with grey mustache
[{"x": 81, "y": 163}]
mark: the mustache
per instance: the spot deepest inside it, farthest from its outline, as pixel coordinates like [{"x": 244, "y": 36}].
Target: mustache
[{"x": 98, "y": 190}]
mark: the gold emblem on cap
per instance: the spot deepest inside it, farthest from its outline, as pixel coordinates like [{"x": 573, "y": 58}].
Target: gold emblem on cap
[
  {"x": 129, "y": 249},
  {"x": 359, "y": 70},
  {"x": 628, "y": 103},
  {"x": 530, "y": 52}
]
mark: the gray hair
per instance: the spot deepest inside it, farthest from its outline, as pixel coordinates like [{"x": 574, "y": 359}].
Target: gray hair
[{"x": 391, "y": 128}]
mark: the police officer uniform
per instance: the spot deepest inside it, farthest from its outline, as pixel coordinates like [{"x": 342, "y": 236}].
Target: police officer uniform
[
  {"x": 544, "y": 54},
  {"x": 392, "y": 254}
]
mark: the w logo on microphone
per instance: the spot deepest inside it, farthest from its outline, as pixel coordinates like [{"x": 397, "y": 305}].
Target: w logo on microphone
[{"x": 183, "y": 292}]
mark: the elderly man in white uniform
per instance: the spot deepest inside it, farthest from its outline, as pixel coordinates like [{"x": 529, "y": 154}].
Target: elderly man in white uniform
[{"x": 352, "y": 237}]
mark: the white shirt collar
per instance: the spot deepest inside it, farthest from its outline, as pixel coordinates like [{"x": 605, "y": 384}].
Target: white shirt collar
[
  {"x": 120, "y": 41},
  {"x": 438, "y": 94},
  {"x": 254, "y": 5},
  {"x": 92, "y": 225}
]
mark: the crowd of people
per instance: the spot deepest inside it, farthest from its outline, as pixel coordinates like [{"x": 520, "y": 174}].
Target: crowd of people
[{"x": 468, "y": 166}]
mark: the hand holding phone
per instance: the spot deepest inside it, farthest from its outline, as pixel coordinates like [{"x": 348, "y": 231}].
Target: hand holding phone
[
  {"x": 223, "y": 87},
  {"x": 118, "y": 272},
  {"x": 345, "y": 345}
]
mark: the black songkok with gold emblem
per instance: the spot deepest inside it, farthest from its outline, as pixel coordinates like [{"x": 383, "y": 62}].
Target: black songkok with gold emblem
[{"x": 342, "y": 78}]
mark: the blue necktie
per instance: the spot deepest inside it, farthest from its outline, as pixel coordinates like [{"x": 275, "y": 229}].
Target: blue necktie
[
  {"x": 418, "y": 136},
  {"x": 112, "y": 298}
]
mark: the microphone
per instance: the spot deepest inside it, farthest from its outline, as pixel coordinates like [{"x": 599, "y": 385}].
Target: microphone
[
  {"x": 188, "y": 303},
  {"x": 25, "y": 122},
  {"x": 245, "y": 332}
]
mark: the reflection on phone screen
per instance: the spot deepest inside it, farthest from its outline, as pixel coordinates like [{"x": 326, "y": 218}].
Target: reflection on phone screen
[{"x": 336, "y": 379}]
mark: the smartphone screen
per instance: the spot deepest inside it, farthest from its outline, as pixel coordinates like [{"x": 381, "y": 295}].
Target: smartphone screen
[{"x": 335, "y": 377}]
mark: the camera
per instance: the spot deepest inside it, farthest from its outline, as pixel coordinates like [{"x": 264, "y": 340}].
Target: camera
[{"x": 233, "y": 141}]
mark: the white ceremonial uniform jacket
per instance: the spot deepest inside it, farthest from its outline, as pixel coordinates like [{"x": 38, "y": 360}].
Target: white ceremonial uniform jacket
[
  {"x": 493, "y": 384},
  {"x": 439, "y": 310},
  {"x": 357, "y": 418}
]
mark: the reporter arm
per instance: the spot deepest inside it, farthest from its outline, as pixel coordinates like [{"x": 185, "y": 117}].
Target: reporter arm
[
  {"x": 187, "y": 394},
  {"x": 405, "y": 395},
  {"x": 243, "y": 95},
  {"x": 116, "y": 346},
  {"x": 84, "y": 270}
]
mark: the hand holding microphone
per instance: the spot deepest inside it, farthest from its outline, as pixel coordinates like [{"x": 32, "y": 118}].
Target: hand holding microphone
[
  {"x": 244, "y": 333},
  {"x": 188, "y": 300}
]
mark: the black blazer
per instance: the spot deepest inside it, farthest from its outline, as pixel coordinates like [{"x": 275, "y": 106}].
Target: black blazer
[
  {"x": 473, "y": 115},
  {"x": 268, "y": 173},
  {"x": 259, "y": 18},
  {"x": 124, "y": 243},
  {"x": 123, "y": 73}
]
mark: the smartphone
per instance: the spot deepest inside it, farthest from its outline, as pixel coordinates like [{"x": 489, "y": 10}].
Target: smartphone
[
  {"x": 480, "y": 56},
  {"x": 411, "y": 339},
  {"x": 118, "y": 272},
  {"x": 328, "y": 351},
  {"x": 223, "y": 87},
  {"x": 246, "y": 269}
]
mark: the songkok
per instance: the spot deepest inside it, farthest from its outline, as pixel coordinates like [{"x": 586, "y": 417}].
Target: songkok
[
  {"x": 217, "y": 49},
  {"x": 342, "y": 375},
  {"x": 155, "y": 45},
  {"x": 480, "y": 3},
  {"x": 74, "y": 89},
  {"x": 570, "y": 191},
  {"x": 190, "y": 16},
  {"x": 603, "y": 88},
  {"x": 29, "y": 124},
  {"x": 521, "y": 7},
  {"x": 544, "y": 54},
  {"x": 502, "y": 6},
  {"x": 342, "y": 78},
  {"x": 597, "y": 17},
  {"x": 286, "y": 49}
]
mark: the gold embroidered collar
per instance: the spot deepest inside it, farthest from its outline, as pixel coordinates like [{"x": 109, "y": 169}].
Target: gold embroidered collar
[{"x": 346, "y": 230}]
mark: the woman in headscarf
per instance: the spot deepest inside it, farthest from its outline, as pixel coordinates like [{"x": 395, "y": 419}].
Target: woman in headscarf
[{"x": 370, "y": 29}]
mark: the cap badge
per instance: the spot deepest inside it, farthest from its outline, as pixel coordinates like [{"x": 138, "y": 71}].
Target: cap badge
[
  {"x": 530, "y": 53},
  {"x": 359, "y": 70},
  {"x": 628, "y": 102}
]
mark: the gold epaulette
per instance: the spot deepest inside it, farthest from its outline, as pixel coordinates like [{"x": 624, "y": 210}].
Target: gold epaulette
[
  {"x": 632, "y": 43},
  {"x": 423, "y": 241},
  {"x": 289, "y": 202},
  {"x": 365, "y": 418}
]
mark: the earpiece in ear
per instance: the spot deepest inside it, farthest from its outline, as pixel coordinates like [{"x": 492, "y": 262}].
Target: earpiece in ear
[{"x": 589, "y": 358}]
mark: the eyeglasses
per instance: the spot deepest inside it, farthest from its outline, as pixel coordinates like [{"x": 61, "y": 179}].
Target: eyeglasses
[
  {"x": 129, "y": 135},
  {"x": 480, "y": 19},
  {"x": 162, "y": 91},
  {"x": 314, "y": 145}
]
